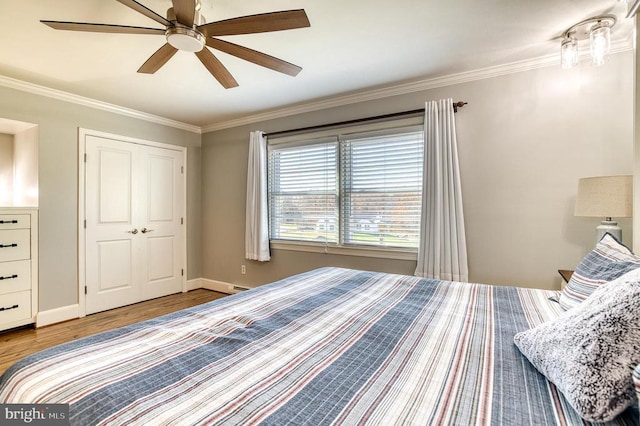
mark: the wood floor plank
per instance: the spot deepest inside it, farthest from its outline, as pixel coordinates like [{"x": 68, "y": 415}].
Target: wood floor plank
[{"x": 16, "y": 344}]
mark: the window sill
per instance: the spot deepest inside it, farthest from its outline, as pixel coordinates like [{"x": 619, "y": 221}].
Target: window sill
[{"x": 386, "y": 253}]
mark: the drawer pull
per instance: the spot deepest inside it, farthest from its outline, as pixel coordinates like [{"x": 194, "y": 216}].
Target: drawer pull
[
  {"x": 9, "y": 277},
  {"x": 8, "y": 221},
  {"x": 9, "y": 308},
  {"x": 8, "y": 245}
]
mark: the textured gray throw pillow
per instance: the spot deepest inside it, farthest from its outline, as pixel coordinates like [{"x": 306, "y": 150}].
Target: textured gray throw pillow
[{"x": 589, "y": 352}]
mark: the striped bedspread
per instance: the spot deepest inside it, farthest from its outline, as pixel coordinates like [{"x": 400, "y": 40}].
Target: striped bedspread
[{"x": 330, "y": 346}]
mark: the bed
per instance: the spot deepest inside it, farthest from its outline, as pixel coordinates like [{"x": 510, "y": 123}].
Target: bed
[{"x": 329, "y": 346}]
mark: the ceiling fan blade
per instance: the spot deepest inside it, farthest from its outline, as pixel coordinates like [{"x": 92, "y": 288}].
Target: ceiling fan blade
[
  {"x": 146, "y": 12},
  {"x": 101, "y": 28},
  {"x": 261, "y": 23},
  {"x": 216, "y": 68},
  {"x": 254, "y": 56},
  {"x": 158, "y": 59},
  {"x": 185, "y": 10}
]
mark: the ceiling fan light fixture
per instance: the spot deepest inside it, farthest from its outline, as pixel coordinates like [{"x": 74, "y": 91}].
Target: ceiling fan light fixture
[{"x": 186, "y": 39}]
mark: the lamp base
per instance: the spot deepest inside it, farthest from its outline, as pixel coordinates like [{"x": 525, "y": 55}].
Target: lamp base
[{"x": 608, "y": 226}]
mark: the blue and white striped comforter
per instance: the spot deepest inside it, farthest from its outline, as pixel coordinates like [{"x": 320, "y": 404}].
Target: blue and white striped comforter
[{"x": 331, "y": 346}]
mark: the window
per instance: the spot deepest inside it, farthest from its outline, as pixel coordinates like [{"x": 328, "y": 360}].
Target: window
[
  {"x": 356, "y": 190},
  {"x": 382, "y": 189},
  {"x": 303, "y": 191}
]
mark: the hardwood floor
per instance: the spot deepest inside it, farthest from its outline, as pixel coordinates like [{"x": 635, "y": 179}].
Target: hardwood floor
[{"x": 16, "y": 344}]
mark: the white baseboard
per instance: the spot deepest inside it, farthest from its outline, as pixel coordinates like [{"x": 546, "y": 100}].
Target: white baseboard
[
  {"x": 194, "y": 284},
  {"x": 66, "y": 313},
  {"x": 53, "y": 316},
  {"x": 214, "y": 285}
]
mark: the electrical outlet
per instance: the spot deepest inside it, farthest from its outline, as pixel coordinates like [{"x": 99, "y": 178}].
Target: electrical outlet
[{"x": 243, "y": 269}]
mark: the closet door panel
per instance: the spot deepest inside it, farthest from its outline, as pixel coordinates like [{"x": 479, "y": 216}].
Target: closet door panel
[
  {"x": 114, "y": 262},
  {"x": 115, "y": 185}
]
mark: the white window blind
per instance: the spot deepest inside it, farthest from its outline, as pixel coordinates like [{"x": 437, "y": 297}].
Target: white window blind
[
  {"x": 303, "y": 191},
  {"x": 382, "y": 188},
  {"x": 361, "y": 189}
]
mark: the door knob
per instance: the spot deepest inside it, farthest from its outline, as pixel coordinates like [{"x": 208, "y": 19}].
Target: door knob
[
  {"x": 145, "y": 230},
  {"x": 134, "y": 232}
]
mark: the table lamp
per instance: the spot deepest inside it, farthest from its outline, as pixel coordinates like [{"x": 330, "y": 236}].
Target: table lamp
[{"x": 606, "y": 197}]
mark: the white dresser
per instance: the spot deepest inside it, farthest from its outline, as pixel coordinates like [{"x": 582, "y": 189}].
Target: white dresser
[{"x": 18, "y": 267}]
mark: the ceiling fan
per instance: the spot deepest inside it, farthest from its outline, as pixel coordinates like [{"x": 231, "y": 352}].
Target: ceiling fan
[{"x": 186, "y": 29}]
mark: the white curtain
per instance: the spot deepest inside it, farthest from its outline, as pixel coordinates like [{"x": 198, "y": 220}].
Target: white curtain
[
  {"x": 256, "y": 235},
  {"x": 442, "y": 253}
]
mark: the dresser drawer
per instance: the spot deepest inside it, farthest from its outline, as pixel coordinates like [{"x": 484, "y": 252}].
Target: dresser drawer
[
  {"x": 15, "y": 276},
  {"x": 15, "y": 221},
  {"x": 15, "y": 306},
  {"x": 15, "y": 244}
]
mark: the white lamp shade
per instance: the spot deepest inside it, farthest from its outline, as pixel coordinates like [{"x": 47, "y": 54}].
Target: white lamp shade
[{"x": 604, "y": 196}]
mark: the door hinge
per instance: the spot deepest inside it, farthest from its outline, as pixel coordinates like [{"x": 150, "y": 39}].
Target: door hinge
[
  {"x": 85, "y": 157},
  {"x": 85, "y": 224},
  {"x": 85, "y": 289},
  {"x": 182, "y": 272},
  {"x": 182, "y": 221},
  {"x": 181, "y": 169}
]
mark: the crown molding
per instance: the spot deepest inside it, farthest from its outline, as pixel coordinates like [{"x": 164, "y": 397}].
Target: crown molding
[
  {"x": 411, "y": 87},
  {"x": 24, "y": 86}
]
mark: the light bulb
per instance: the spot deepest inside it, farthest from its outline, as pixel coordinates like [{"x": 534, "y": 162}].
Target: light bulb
[
  {"x": 600, "y": 36},
  {"x": 569, "y": 52}
]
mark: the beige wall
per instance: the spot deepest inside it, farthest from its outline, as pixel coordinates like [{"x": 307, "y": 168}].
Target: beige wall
[
  {"x": 524, "y": 141},
  {"x": 18, "y": 166},
  {"x": 25, "y": 168},
  {"x": 58, "y": 123},
  {"x": 6, "y": 169}
]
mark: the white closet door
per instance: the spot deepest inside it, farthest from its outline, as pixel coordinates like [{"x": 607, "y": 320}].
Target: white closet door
[
  {"x": 134, "y": 233},
  {"x": 113, "y": 255},
  {"x": 161, "y": 228}
]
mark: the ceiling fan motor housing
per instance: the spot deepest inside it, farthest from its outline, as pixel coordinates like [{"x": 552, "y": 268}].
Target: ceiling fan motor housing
[{"x": 184, "y": 38}]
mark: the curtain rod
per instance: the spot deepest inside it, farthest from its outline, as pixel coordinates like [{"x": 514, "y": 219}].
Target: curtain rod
[{"x": 456, "y": 105}]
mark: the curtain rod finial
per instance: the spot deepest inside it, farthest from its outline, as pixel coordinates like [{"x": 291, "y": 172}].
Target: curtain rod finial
[{"x": 458, "y": 104}]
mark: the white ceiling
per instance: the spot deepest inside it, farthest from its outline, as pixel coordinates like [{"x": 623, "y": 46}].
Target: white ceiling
[{"x": 352, "y": 46}]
